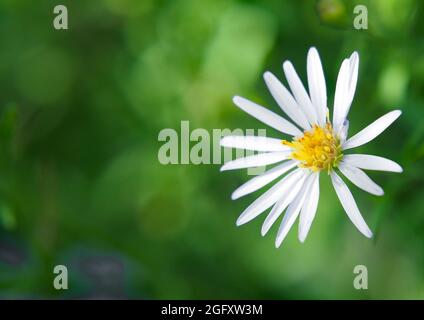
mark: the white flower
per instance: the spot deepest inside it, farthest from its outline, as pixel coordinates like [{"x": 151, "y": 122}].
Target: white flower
[{"x": 316, "y": 145}]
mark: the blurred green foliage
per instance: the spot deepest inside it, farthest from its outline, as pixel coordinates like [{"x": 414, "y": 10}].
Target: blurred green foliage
[{"x": 80, "y": 183}]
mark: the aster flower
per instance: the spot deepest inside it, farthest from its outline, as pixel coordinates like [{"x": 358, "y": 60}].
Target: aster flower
[{"x": 316, "y": 145}]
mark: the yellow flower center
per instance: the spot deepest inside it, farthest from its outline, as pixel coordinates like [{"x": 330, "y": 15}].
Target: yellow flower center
[{"x": 318, "y": 149}]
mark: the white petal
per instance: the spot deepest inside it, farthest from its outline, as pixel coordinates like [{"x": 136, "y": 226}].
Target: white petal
[
  {"x": 309, "y": 208},
  {"x": 340, "y": 95},
  {"x": 343, "y": 132},
  {"x": 345, "y": 89},
  {"x": 281, "y": 205},
  {"x": 360, "y": 179},
  {"x": 255, "y": 143},
  {"x": 269, "y": 198},
  {"x": 266, "y": 116},
  {"x": 353, "y": 79},
  {"x": 292, "y": 212},
  {"x": 256, "y": 160},
  {"x": 299, "y": 92},
  {"x": 372, "y": 131},
  {"x": 370, "y": 162},
  {"x": 349, "y": 205},
  {"x": 285, "y": 100},
  {"x": 316, "y": 84},
  {"x": 259, "y": 181}
]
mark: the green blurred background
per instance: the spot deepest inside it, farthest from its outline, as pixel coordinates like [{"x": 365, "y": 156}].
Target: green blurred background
[{"x": 81, "y": 185}]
